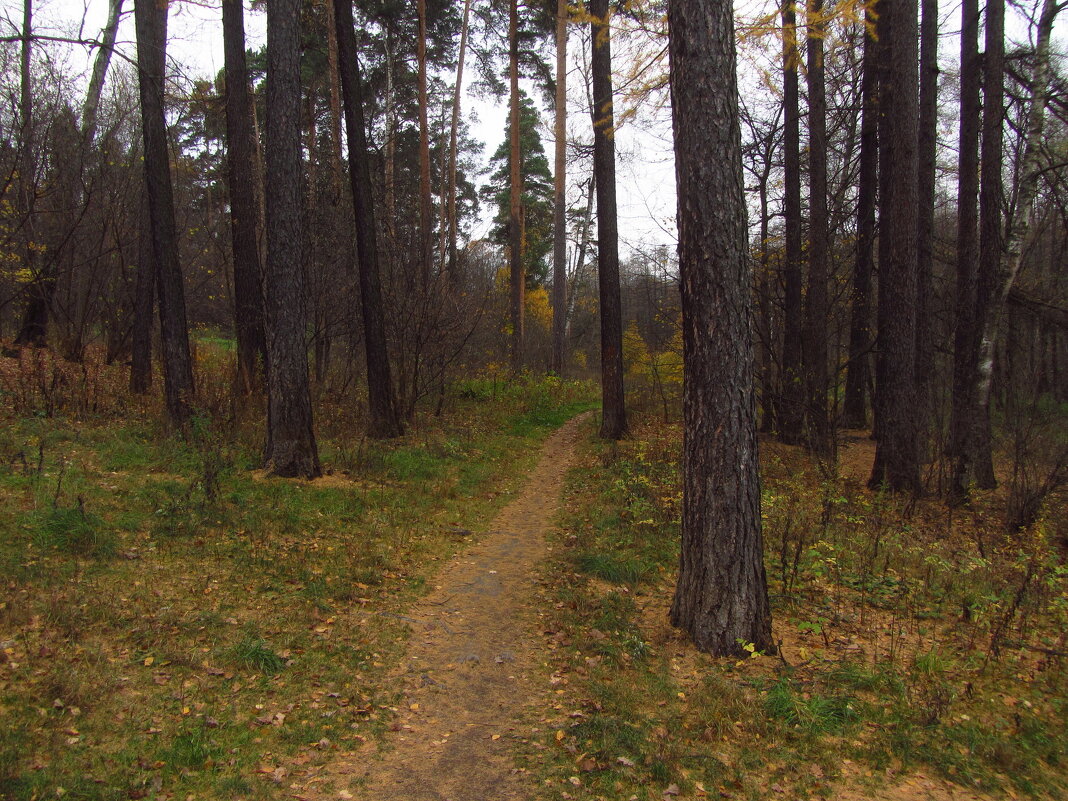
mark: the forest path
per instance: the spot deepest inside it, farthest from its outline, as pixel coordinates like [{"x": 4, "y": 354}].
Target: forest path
[{"x": 470, "y": 667}]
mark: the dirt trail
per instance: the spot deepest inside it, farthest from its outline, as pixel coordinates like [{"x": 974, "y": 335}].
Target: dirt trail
[{"x": 468, "y": 669}]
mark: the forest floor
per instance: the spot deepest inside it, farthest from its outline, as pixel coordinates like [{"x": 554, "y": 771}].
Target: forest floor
[
  {"x": 479, "y": 611},
  {"x": 490, "y": 709},
  {"x": 471, "y": 672}
]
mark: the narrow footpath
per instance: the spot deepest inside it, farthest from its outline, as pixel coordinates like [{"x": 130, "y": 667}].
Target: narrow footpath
[{"x": 469, "y": 669}]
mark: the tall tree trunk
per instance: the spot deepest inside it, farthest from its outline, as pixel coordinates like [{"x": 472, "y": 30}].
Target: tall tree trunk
[
  {"x": 858, "y": 371},
  {"x": 34, "y": 327},
  {"x": 515, "y": 230},
  {"x": 241, "y": 162},
  {"x": 291, "y": 449},
  {"x": 928, "y": 139},
  {"x": 896, "y": 456},
  {"x": 559, "y": 199},
  {"x": 614, "y": 417},
  {"x": 791, "y": 406},
  {"x": 452, "y": 257},
  {"x": 990, "y": 231},
  {"x": 384, "y": 422},
  {"x": 144, "y": 303},
  {"x": 334, "y": 95},
  {"x": 390, "y": 147},
  {"x": 966, "y": 324},
  {"x": 426, "y": 240},
  {"x": 814, "y": 335},
  {"x": 721, "y": 598},
  {"x": 174, "y": 333}
]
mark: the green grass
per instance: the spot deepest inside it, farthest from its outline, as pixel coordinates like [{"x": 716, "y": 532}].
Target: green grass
[
  {"x": 171, "y": 600},
  {"x": 879, "y": 667}
]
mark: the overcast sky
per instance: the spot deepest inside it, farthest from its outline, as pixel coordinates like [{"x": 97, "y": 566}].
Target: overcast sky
[
  {"x": 645, "y": 170},
  {"x": 645, "y": 167}
]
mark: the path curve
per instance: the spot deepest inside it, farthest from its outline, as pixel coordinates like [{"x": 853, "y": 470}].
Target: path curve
[{"x": 470, "y": 665}]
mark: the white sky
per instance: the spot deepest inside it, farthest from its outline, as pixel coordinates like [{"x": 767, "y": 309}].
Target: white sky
[
  {"x": 645, "y": 171},
  {"x": 645, "y": 166}
]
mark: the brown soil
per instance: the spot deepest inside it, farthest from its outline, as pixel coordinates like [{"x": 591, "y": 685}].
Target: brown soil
[{"x": 470, "y": 665}]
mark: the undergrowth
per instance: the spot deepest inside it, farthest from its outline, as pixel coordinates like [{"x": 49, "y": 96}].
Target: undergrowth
[
  {"x": 905, "y": 646},
  {"x": 175, "y": 625}
]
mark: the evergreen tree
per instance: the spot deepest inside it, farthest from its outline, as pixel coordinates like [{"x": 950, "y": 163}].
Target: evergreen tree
[{"x": 537, "y": 197}]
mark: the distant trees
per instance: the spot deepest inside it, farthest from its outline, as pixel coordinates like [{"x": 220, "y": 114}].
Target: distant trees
[
  {"x": 385, "y": 419},
  {"x": 174, "y": 331},
  {"x": 843, "y": 169}
]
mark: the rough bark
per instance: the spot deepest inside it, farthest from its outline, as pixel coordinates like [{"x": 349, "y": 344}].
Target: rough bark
[
  {"x": 559, "y": 201},
  {"x": 385, "y": 421},
  {"x": 614, "y": 417},
  {"x": 291, "y": 449},
  {"x": 515, "y": 230},
  {"x": 174, "y": 333},
  {"x": 928, "y": 139},
  {"x": 965, "y": 323},
  {"x": 791, "y": 405},
  {"x": 815, "y": 324},
  {"x": 896, "y": 455},
  {"x": 721, "y": 598},
  {"x": 144, "y": 306},
  {"x": 858, "y": 370},
  {"x": 244, "y": 234}
]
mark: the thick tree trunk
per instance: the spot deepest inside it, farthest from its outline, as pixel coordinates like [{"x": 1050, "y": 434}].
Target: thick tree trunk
[
  {"x": 559, "y": 201},
  {"x": 858, "y": 371},
  {"x": 515, "y": 231},
  {"x": 614, "y": 417},
  {"x": 291, "y": 449},
  {"x": 814, "y": 334},
  {"x": 928, "y": 137},
  {"x": 144, "y": 305},
  {"x": 721, "y": 598},
  {"x": 241, "y": 163},
  {"x": 965, "y": 352},
  {"x": 174, "y": 333},
  {"x": 792, "y": 404},
  {"x": 384, "y": 422},
  {"x": 896, "y": 455}
]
